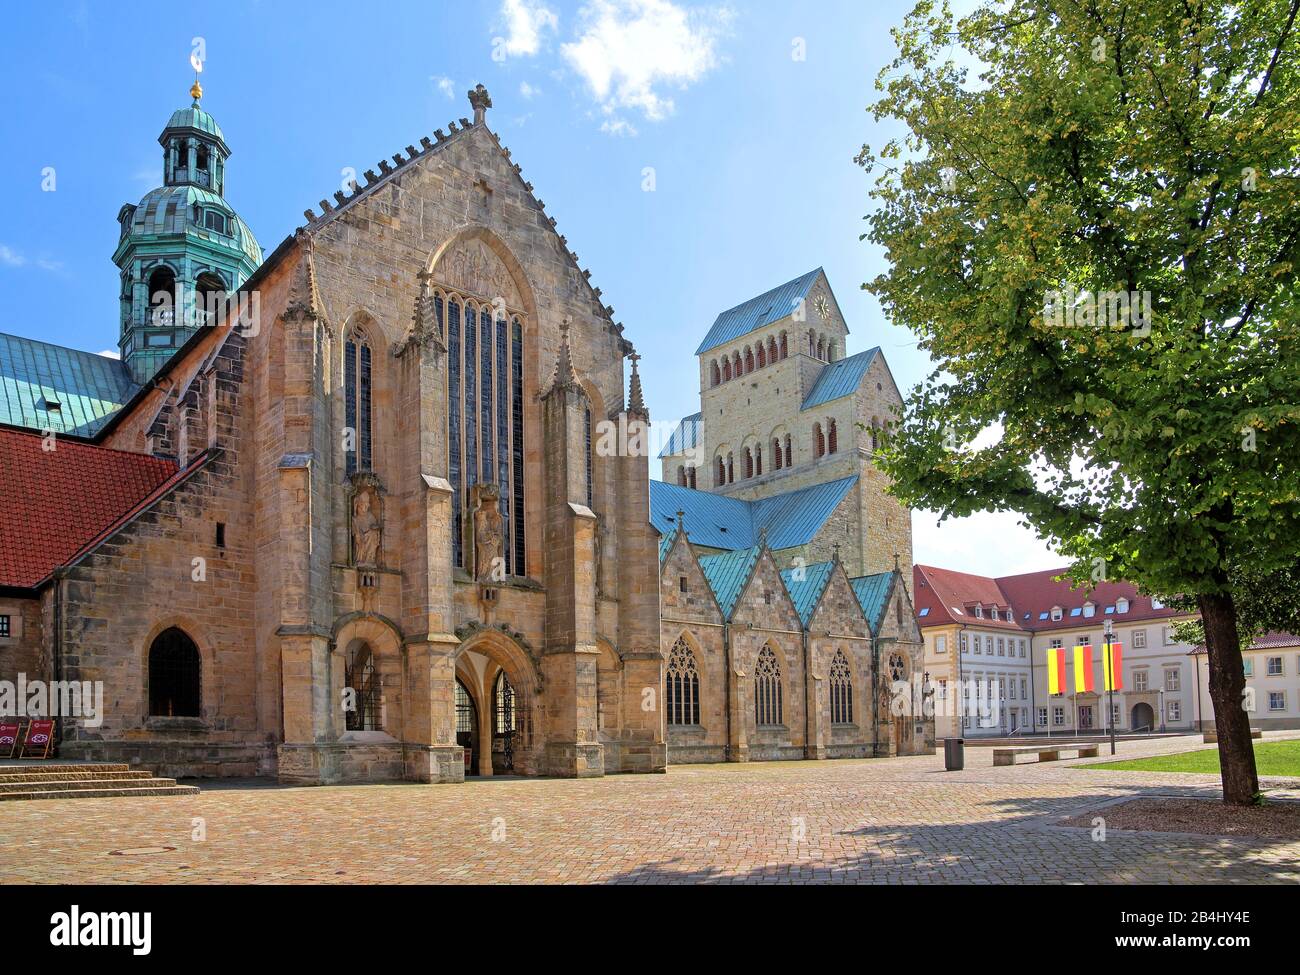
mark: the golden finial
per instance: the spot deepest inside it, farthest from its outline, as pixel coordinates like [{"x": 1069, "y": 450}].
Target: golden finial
[{"x": 196, "y": 89}]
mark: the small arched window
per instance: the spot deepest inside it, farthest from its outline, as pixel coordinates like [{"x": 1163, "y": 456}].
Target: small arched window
[
  {"x": 737, "y": 366},
  {"x": 832, "y": 445},
  {"x": 721, "y": 475},
  {"x": 771, "y": 349},
  {"x": 175, "y": 676},
  {"x": 731, "y": 469},
  {"x": 726, "y": 370},
  {"x": 681, "y": 475},
  {"x": 767, "y": 689},
  {"x": 776, "y": 453},
  {"x": 715, "y": 374},
  {"x": 749, "y": 360},
  {"x": 690, "y": 477},
  {"x": 162, "y": 297},
  {"x": 758, "y": 460},
  {"x": 785, "y": 346},
  {"x": 357, "y": 390},
  {"x": 788, "y": 453},
  {"x": 749, "y": 463},
  {"x": 821, "y": 349},
  {"x": 682, "y": 690},
  {"x": 819, "y": 440},
  {"x": 841, "y": 689}
]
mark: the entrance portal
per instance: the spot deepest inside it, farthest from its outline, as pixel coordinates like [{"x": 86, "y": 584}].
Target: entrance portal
[
  {"x": 1144, "y": 717},
  {"x": 505, "y": 729},
  {"x": 467, "y": 727}
]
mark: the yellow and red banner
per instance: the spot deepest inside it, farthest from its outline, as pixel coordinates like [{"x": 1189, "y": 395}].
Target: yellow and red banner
[
  {"x": 1112, "y": 666},
  {"x": 1056, "y": 670},
  {"x": 1083, "y": 669}
]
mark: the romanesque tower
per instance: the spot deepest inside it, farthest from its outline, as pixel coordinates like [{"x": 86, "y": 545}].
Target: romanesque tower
[{"x": 790, "y": 424}]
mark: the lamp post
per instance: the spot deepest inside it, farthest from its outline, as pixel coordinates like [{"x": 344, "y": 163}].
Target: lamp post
[{"x": 1108, "y": 632}]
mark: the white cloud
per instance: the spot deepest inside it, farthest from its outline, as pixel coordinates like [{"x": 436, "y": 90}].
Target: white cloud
[
  {"x": 617, "y": 126},
  {"x": 990, "y": 543},
  {"x": 528, "y": 91},
  {"x": 526, "y": 22},
  {"x": 444, "y": 84},
  {"x": 12, "y": 258},
  {"x": 628, "y": 49},
  {"x": 111, "y": 354}
]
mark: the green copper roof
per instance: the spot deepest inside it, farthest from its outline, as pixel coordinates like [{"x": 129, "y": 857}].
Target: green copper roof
[
  {"x": 806, "y": 586},
  {"x": 872, "y": 592},
  {"x": 665, "y": 544},
  {"x": 44, "y": 386},
  {"x": 170, "y": 210},
  {"x": 727, "y": 575},
  {"x": 839, "y": 378},
  {"x": 749, "y": 316},
  {"x": 194, "y": 117}
]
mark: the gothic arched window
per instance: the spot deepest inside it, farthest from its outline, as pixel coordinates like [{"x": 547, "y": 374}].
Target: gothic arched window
[
  {"x": 830, "y": 436},
  {"x": 749, "y": 360},
  {"x": 819, "y": 440},
  {"x": 175, "y": 675},
  {"x": 357, "y": 400},
  {"x": 485, "y": 417},
  {"x": 749, "y": 463},
  {"x": 841, "y": 689},
  {"x": 758, "y": 459},
  {"x": 682, "y": 686},
  {"x": 776, "y": 453},
  {"x": 762, "y": 355},
  {"x": 767, "y": 689},
  {"x": 715, "y": 374}
]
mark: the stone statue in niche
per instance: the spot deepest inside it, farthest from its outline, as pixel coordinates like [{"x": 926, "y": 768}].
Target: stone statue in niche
[
  {"x": 367, "y": 526},
  {"x": 489, "y": 535}
]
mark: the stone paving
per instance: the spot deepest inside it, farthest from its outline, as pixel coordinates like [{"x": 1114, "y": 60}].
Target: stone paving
[{"x": 896, "y": 821}]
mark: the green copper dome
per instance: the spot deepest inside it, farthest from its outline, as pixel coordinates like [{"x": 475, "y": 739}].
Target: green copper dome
[
  {"x": 193, "y": 118},
  {"x": 188, "y": 209}
]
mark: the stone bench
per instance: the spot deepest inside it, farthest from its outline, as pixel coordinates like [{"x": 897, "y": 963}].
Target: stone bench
[
  {"x": 1046, "y": 753},
  {"x": 1212, "y": 737}
]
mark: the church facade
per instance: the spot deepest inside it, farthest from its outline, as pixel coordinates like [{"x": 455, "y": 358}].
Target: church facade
[{"x": 352, "y": 529}]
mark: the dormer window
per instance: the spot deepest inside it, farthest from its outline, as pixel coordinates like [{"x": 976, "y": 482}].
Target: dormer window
[
  {"x": 979, "y": 611},
  {"x": 214, "y": 220},
  {"x": 1089, "y": 609},
  {"x": 1056, "y": 612},
  {"x": 1156, "y": 604},
  {"x": 1121, "y": 605}
]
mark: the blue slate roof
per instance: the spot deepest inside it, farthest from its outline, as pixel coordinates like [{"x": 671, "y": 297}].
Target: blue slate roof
[
  {"x": 727, "y": 575},
  {"x": 35, "y": 375},
  {"x": 770, "y": 306},
  {"x": 839, "y": 378},
  {"x": 686, "y": 436},
  {"x": 715, "y": 521},
  {"x": 807, "y": 591},
  {"x": 872, "y": 591},
  {"x": 665, "y": 544}
]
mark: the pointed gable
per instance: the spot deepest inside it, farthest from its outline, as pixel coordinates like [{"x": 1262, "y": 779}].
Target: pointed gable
[
  {"x": 805, "y": 586},
  {"x": 727, "y": 575},
  {"x": 873, "y": 595}
]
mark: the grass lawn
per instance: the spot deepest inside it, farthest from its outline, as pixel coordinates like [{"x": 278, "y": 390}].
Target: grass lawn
[{"x": 1271, "y": 758}]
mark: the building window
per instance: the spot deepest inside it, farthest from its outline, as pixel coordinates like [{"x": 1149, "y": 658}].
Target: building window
[
  {"x": 690, "y": 478},
  {"x": 5, "y": 631},
  {"x": 682, "y": 697},
  {"x": 465, "y": 720},
  {"x": 1173, "y": 679},
  {"x": 1139, "y": 680},
  {"x": 361, "y": 678},
  {"x": 776, "y": 453},
  {"x": 175, "y": 675},
  {"x": 961, "y": 642},
  {"x": 1058, "y": 716},
  {"x": 357, "y": 400},
  {"x": 507, "y": 712},
  {"x": 1022, "y": 648},
  {"x": 1168, "y": 632},
  {"x": 758, "y": 459},
  {"x": 831, "y": 436},
  {"x": 787, "y": 450},
  {"x": 1274, "y": 666},
  {"x": 841, "y": 690},
  {"x": 940, "y": 644},
  {"x": 720, "y": 475},
  {"x": 819, "y": 441},
  {"x": 1248, "y": 667},
  {"x": 1042, "y": 717},
  {"x": 681, "y": 584},
  {"x": 1121, "y": 605},
  {"x": 749, "y": 463},
  {"x": 731, "y": 469},
  {"x": 1277, "y": 700},
  {"x": 1056, "y": 644},
  {"x": 1139, "y": 639},
  {"x": 1002, "y": 647},
  {"x": 715, "y": 375},
  {"x": 1174, "y": 710},
  {"x": 1056, "y": 612},
  {"x": 767, "y": 689},
  {"x": 1024, "y": 689}
]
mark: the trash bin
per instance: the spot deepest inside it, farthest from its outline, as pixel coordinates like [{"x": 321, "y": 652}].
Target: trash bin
[{"x": 954, "y": 754}]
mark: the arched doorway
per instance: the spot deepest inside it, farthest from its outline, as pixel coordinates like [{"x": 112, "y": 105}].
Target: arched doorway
[
  {"x": 175, "y": 676},
  {"x": 902, "y": 722},
  {"x": 361, "y": 689},
  {"x": 467, "y": 727},
  {"x": 1143, "y": 717},
  {"x": 505, "y": 725}
]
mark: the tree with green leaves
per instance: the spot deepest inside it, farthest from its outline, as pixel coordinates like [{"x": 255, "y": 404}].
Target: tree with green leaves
[{"x": 1092, "y": 225}]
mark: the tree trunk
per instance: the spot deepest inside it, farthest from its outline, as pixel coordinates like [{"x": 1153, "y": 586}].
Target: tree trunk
[{"x": 1227, "y": 687}]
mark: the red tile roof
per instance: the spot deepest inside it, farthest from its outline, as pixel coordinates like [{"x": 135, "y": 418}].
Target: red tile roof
[
  {"x": 951, "y": 597},
  {"x": 54, "y": 503},
  {"x": 1272, "y": 640}
]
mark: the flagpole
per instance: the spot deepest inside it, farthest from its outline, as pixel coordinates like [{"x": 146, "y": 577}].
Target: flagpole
[{"x": 1110, "y": 684}]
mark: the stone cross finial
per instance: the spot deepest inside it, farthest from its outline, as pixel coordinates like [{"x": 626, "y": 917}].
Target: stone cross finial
[
  {"x": 636, "y": 398},
  {"x": 480, "y": 101}
]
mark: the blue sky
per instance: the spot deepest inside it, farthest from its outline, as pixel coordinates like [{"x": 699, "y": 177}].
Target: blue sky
[{"x": 751, "y": 148}]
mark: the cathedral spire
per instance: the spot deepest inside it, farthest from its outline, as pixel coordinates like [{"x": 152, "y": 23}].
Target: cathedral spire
[
  {"x": 564, "y": 376},
  {"x": 635, "y": 397}
]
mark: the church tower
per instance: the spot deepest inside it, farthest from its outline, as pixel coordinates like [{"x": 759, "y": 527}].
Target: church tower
[{"x": 182, "y": 247}]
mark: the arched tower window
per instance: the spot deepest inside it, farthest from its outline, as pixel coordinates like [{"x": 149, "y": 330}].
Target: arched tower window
[
  {"x": 726, "y": 370},
  {"x": 731, "y": 469},
  {"x": 720, "y": 476},
  {"x": 175, "y": 675},
  {"x": 357, "y": 403},
  {"x": 749, "y": 463},
  {"x": 714, "y": 374},
  {"x": 758, "y": 459},
  {"x": 821, "y": 349},
  {"x": 690, "y": 477},
  {"x": 749, "y": 360},
  {"x": 209, "y": 296},
  {"x": 682, "y": 686},
  {"x": 767, "y": 689},
  {"x": 841, "y": 689},
  {"x": 776, "y": 453},
  {"x": 162, "y": 297},
  {"x": 788, "y": 453},
  {"x": 832, "y": 444},
  {"x": 737, "y": 366},
  {"x": 762, "y": 355},
  {"x": 771, "y": 349},
  {"x": 785, "y": 346},
  {"x": 681, "y": 475},
  {"x": 819, "y": 441}
]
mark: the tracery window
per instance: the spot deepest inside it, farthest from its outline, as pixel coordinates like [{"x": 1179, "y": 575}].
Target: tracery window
[
  {"x": 357, "y": 388},
  {"x": 841, "y": 689},
  {"x": 485, "y": 419},
  {"x": 767, "y": 689},
  {"x": 682, "y": 690},
  {"x": 897, "y": 667}
]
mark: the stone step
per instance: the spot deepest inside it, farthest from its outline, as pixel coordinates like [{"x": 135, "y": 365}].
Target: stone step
[
  {"x": 109, "y": 792},
  {"x": 69, "y": 780},
  {"x": 27, "y": 768}
]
